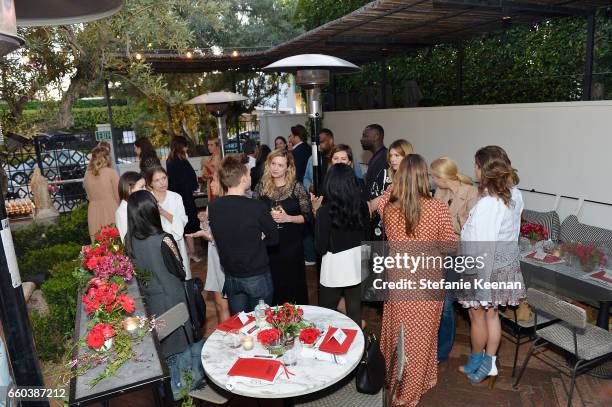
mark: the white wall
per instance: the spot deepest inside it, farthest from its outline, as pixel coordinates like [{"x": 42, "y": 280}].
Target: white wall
[
  {"x": 273, "y": 125},
  {"x": 560, "y": 148},
  {"x": 194, "y": 161}
]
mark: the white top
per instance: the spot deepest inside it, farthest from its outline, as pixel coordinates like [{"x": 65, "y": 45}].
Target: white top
[
  {"x": 252, "y": 162},
  {"x": 173, "y": 203},
  {"x": 311, "y": 375},
  {"x": 121, "y": 219},
  {"x": 490, "y": 220}
]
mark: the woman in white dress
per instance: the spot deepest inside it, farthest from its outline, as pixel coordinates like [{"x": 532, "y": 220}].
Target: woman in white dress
[
  {"x": 129, "y": 182},
  {"x": 492, "y": 227},
  {"x": 171, "y": 209}
]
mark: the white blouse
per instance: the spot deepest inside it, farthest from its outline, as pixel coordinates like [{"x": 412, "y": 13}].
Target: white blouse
[
  {"x": 490, "y": 220},
  {"x": 173, "y": 203},
  {"x": 121, "y": 219}
]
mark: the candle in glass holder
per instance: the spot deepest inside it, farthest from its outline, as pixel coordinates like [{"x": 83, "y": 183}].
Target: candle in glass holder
[
  {"x": 131, "y": 324},
  {"x": 248, "y": 343}
]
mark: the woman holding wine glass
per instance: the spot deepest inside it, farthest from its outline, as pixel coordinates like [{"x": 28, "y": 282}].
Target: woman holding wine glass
[{"x": 290, "y": 208}]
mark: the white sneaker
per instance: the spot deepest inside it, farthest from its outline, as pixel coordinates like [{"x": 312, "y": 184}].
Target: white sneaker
[{"x": 310, "y": 263}]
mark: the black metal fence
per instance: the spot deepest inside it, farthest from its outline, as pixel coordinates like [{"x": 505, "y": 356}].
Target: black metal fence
[{"x": 62, "y": 158}]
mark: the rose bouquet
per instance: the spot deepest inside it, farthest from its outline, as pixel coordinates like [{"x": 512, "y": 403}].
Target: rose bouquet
[
  {"x": 589, "y": 255},
  {"x": 100, "y": 335},
  {"x": 268, "y": 336},
  {"x": 106, "y": 242},
  {"x": 287, "y": 319},
  {"x": 105, "y": 301},
  {"x": 534, "y": 232},
  {"x": 308, "y": 336}
]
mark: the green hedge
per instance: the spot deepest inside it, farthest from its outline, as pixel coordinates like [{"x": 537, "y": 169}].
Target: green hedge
[
  {"x": 87, "y": 118},
  {"x": 53, "y": 333},
  {"x": 41, "y": 261}
]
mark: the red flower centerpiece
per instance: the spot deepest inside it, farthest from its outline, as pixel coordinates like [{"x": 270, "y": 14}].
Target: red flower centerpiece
[
  {"x": 268, "y": 336},
  {"x": 589, "y": 255},
  {"x": 534, "y": 232},
  {"x": 106, "y": 242},
  {"x": 286, "y": 318},
  {"x": 104, "y": 301},
  {"x": 114, "y": 264},
  {"x": 309, "y": 336},
  {"x": 100, "y": 335}
]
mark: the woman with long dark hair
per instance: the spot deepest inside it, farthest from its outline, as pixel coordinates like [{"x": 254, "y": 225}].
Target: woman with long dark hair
[
  {"x": 182, "y": 179},
  {"x": 494, "y": 223},
  {"x": 146, "y": 154},
  {"x": 155, "y": 251},
  {"x": 341, "y": 225},
  {"x": 130, "y": 181}
]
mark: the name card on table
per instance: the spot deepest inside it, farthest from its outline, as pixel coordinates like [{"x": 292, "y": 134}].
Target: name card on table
[
  {"x": 244, "y": 318},
  {"x": 539, "y": 255},
  {"x": 339, "y": 336}
]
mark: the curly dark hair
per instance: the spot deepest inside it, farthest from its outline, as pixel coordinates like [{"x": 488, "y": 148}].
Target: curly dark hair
[
  {"x": 343, "y": 195},
  {"x": 497, "y": 176}
]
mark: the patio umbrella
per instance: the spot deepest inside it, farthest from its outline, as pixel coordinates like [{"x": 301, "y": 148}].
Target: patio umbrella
[{"x": 217, "y": 104}]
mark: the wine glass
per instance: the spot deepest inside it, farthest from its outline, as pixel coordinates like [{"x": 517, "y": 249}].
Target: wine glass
[{"x": 277, "y": 207}]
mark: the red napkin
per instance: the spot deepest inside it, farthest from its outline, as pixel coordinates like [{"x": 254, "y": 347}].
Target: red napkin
[
  {"x": 548, "y": 259},
  {"x": 265, "y": 369},
  {"x": 330, "y": 345},
  {"x": 601, "y": 275},
  {"x": 233, "y": 323}
]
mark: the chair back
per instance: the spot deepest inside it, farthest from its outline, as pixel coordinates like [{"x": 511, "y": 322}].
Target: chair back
[
  {"x": 560, "y": 309},
  {"x": 174, "y": 318}
]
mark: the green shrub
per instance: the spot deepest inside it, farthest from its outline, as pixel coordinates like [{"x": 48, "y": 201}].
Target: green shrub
[
  {"x": 52, "y": 333},
  {"x": 41, "y": 261}
]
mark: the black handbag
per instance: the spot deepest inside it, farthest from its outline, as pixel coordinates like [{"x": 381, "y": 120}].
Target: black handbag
[
  {"x": 370, "y": 377},
  {"x": 196, "y": 305}
]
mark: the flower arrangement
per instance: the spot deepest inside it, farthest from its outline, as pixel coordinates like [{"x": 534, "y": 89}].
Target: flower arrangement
[
  {"x": 106, "y": 242},
  {"x": 99, "y": 335},
  {"x": 114, "y": 264},
  {"x": 308, "y": 336},
  {"x": 268, "y": 336},
  {"x": 534, "y": 232},
  {"x": 287, "y": 319},
  {"x": 105, "y": 302},
  {"x": 589, "y": 255}
]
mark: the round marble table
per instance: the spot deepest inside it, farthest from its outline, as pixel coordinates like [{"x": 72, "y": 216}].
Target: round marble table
[{"x": 310, "y": 375}]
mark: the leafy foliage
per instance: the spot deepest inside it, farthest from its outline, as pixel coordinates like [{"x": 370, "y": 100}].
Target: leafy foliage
[{"x": 40, "y": 261}]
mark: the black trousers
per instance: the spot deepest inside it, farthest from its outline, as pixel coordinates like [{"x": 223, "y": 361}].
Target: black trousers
[{"x": 330, "y": 296}]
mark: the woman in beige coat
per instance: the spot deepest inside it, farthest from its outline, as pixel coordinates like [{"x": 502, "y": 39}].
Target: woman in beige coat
[{"x": 101, "y": 184}]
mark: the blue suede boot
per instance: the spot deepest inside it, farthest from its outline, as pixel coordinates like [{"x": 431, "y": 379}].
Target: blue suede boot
[{"x": 473, "y": 363}]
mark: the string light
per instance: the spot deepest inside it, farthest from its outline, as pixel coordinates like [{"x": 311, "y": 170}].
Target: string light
[
  {"x": 150, "y": 45},
  {"x": 26, "y": 59},
  {"x": 189, "y": 54},
  {"x": 138, "y": 56},
  {"x": 234, "y": 53}
]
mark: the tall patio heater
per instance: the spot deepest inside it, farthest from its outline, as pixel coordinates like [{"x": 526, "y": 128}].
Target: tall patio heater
[
  {"x": 217, "y": 104},
  {"x": 16, "y": 325},
  {"x": 313, "y": 71}
]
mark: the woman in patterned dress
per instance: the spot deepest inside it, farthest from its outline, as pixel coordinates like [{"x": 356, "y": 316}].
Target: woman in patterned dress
[
  {"x": 415, "y": 223},
  {"x": 494, "y": 224}
]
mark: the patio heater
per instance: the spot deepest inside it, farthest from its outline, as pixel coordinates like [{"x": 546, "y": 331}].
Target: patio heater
[
  {"x": 16, "y": 326},
  {"x": 312, "y": 74},
  {"x": 217, "y": 104}
]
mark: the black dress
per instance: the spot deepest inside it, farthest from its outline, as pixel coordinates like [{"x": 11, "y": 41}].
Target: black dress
[
  {"x": 287, "y": 258},
  {"x": 182, "y": 179}
]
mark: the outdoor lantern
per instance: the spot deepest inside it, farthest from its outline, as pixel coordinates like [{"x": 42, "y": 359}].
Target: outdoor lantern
[
  {"x": 217, "y": 104},
  {"x": 63, "y": 12},
  {"x": 312, "y": 74}
]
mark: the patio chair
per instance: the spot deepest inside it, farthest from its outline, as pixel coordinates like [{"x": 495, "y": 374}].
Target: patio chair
[
  {"x": 175, "y": 318},
  {"x": 521, "y": 332},
  {"x": 588, "y": 343},
  {"x": 398, "y": 362}
]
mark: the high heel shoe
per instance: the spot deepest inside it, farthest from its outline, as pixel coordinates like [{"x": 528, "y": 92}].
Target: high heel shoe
[
  {"x": 473, "y": 363},
  {"x": 487, "y": 370}
]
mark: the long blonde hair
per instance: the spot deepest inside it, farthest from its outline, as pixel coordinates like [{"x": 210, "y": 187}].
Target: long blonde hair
[
  {"x": 99, "y": 159},
  {"x": 403, "y": 147},
  {"x": 268, "y": 187},
  {"x": 411, "y": 184},
  {"x": 446, "y": 168}
]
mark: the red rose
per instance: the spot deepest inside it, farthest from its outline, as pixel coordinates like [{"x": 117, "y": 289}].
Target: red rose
[
  {"x": 300, "y": 311},
  {"x": 127, "y": 303},
  {"x": 107, "y": 330},
  {"x": 95, "y": 338}
]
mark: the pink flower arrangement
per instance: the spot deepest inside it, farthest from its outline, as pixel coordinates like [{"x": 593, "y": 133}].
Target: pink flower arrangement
[
  {"x": 114, "y": 264},
  {"x": 590, "y": 256}
]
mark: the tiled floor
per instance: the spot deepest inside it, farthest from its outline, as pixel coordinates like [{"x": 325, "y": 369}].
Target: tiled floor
[{"x": 541, "y": 385}]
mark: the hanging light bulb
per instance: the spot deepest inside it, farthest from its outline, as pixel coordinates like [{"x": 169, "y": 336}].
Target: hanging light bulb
[
  {"x": 138, "y": 56},
  {"x": 234, "y": 53}
]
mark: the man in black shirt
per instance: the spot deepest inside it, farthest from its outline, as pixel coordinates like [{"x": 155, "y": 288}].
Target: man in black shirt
[
  {"x": 376, "y": 177},
  {"x": 242, "y": 228}
]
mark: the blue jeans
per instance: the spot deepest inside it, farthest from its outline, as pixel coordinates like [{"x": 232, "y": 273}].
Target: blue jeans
[
  {"x": 244, "y": 293},
  {"x": 309, "y": 250},
  {"x": 446, "y": 332}
]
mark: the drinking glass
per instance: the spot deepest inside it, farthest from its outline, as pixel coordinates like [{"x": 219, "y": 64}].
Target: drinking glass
[
  {"x": 277, "y": 207},
  {"x": 234, "y": 339}
]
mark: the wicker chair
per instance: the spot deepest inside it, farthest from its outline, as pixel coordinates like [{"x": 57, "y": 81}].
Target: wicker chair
[{"x": 588, "y": 343}]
